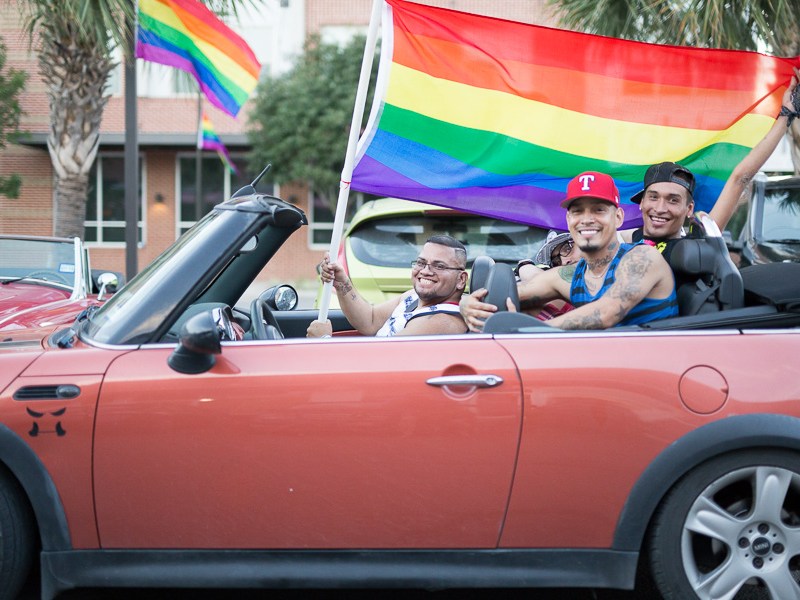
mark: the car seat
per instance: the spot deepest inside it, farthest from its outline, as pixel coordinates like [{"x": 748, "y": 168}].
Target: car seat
[
  {"x": 480, "y": 272},
  {"x": 712, "y": 281},
  {"x": 501, "y": 285}
]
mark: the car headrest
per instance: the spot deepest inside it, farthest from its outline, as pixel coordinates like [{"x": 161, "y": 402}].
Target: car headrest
[
  {"x": 693, "y": 257},
  {"x": 480, "y": 271},
  {"x": 501, "y": 284}
]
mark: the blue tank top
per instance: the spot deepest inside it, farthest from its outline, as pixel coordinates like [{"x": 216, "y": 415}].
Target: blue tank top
[{"x": 647, "y": 310}]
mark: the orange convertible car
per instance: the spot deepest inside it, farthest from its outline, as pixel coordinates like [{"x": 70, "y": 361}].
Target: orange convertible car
[{"x": 147, "y": 446}]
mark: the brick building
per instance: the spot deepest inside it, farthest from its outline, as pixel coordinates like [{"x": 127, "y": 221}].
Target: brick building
[{"x": 167, "y": 129}]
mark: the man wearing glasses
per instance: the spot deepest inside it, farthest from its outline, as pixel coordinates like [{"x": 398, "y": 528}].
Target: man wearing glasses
[
  {"x": 439, "y": 277},
  {"x": 558, "y": 249}
]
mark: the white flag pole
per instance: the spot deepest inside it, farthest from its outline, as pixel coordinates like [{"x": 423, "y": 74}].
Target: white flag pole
[{"x": 349, "y": 159}]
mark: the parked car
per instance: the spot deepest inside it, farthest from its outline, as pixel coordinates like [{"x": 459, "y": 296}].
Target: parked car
[
  {"x": 385, "y": 235},
  {"x": 767, "y": 228},
  {"x": 47, "y": 281},
  {"x": 150, "y": 444}
]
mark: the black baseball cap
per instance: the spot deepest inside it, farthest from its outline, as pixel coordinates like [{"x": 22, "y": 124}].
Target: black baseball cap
[{"x": 668, "y": 172}]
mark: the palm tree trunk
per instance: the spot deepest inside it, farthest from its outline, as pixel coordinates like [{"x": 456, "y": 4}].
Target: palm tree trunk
[
  {"x": 76, "y": 77},
  {"x": 70, "y": 205}
]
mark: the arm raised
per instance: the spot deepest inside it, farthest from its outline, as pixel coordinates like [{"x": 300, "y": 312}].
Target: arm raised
[{"x": 744, "y": 172}]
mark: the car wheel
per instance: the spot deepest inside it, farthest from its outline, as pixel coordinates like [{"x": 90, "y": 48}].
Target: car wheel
[
  {"x": 16, "y": 537},
  {"x": 731, "y": 529}
]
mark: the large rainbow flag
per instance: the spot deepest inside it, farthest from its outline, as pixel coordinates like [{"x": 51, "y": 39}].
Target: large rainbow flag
[
  {"x": 494, "y": 117},
  {"x": 186, "y": 35}
]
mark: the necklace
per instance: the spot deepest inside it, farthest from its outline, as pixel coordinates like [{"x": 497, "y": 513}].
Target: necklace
[{"x": 603, "y": 274}]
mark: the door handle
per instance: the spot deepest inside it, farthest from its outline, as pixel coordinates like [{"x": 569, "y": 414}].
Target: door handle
[{"x": 482, "y": 381}]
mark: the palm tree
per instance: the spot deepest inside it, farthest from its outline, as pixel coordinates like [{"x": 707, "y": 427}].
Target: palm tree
[
  {"x": 75, "y": 40},
  {"x": 743, "y": 25}
]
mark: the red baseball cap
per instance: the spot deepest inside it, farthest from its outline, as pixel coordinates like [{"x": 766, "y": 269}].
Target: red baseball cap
[{"x": 592, "y": 184}]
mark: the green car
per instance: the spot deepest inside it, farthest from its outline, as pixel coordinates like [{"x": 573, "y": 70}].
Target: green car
[{"x": 385, "y": 235}]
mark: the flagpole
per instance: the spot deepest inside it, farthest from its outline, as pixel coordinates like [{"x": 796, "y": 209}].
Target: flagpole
[
  {"x": 352, "y": 142},
  {"x": 131, "y": 162},
  {"x": 198, "y": 159}
]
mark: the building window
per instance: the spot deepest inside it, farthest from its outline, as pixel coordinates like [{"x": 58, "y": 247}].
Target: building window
[
  {"x": 217, "y": 185},
  {"x": 320, "y": 226},
  {"x": 105, "y": 206}
]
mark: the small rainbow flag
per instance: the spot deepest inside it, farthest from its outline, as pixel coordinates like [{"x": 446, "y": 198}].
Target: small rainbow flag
[
  {"x": 186, "y": 35},
  {"x": 495, "y": 117},
  {"x": 207, "y": 139}
]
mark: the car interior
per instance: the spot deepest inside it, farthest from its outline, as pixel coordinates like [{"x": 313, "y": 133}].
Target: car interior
[{"x": 715, "y": 295}]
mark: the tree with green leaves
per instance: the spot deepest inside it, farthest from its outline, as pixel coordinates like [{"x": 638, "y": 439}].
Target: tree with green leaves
[
  {"x": 301, "y": 120},
  {"x": 12, "y": 82},
  {"x": 743, "y": 25}
]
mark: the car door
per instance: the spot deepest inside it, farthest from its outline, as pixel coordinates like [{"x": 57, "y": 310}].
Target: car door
[{"x": 348, "y": 443}]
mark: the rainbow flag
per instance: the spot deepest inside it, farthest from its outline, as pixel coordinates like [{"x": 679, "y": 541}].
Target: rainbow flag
[
  {"x": 186, "y": 35},
  {"x": 207, "y": 139},
  {"x": 495, "y": 117}
]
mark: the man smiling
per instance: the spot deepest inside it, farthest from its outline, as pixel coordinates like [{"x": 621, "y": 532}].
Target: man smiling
[
  {"x": 667, "y": 201},
  {"x": 613, "y": 284},
  {"x": 439, "y": 277}
]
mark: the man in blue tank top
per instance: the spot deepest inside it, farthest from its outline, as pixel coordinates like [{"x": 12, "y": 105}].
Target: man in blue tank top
[{"x": 613, "y": 284}]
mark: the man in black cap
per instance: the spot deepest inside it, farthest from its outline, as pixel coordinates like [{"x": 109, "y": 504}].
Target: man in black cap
[{"x": 667, "y": 201}]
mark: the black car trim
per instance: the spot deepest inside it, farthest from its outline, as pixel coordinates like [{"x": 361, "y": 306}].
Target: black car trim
[
  {"x": 734, "y": 433},
  {"x": 39, "y": 487},
  {"x": 310, "y": 569}
]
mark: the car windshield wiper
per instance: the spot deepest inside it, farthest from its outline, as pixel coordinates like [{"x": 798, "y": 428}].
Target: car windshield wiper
[
  {"x": 86, "y": 314},
  {"x": 28, "y": 276}
]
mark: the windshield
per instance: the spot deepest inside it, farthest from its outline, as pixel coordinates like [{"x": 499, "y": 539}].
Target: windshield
[
  {"x": 48, "y": 260},
  {"x": 781, "y": 220},
  {"x": 105, "y": 323},
  {"x": 395, "y": 241}
]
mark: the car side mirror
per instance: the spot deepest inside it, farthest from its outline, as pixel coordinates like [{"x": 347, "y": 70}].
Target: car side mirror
[
  {"x": 108, "y": 282},
  {"x": 280, "y": 297},
  {"x": 199, "y": 341}
]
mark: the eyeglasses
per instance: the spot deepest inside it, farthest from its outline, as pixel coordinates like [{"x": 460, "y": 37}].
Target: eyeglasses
[
  {"x": 561, "y": 251},
  {"x": 419, "y": 264}
]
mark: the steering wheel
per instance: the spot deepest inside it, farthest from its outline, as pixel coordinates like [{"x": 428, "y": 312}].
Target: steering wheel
[
  {"x": 48, "y": 276},
  {"x": 263, "y": 324}
]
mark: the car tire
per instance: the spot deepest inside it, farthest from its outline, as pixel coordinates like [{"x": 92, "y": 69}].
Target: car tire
[
  {"x": 730, "y": 529},
  {"x": 17, "y": 537}
]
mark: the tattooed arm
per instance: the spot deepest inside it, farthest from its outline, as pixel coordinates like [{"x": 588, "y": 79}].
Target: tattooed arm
[
  {"x": 366, "y": 317},
  {"x": 744, "y": 172},
  {"x": 642, "y": 273},
  {"x": 553, "y": 284}
]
